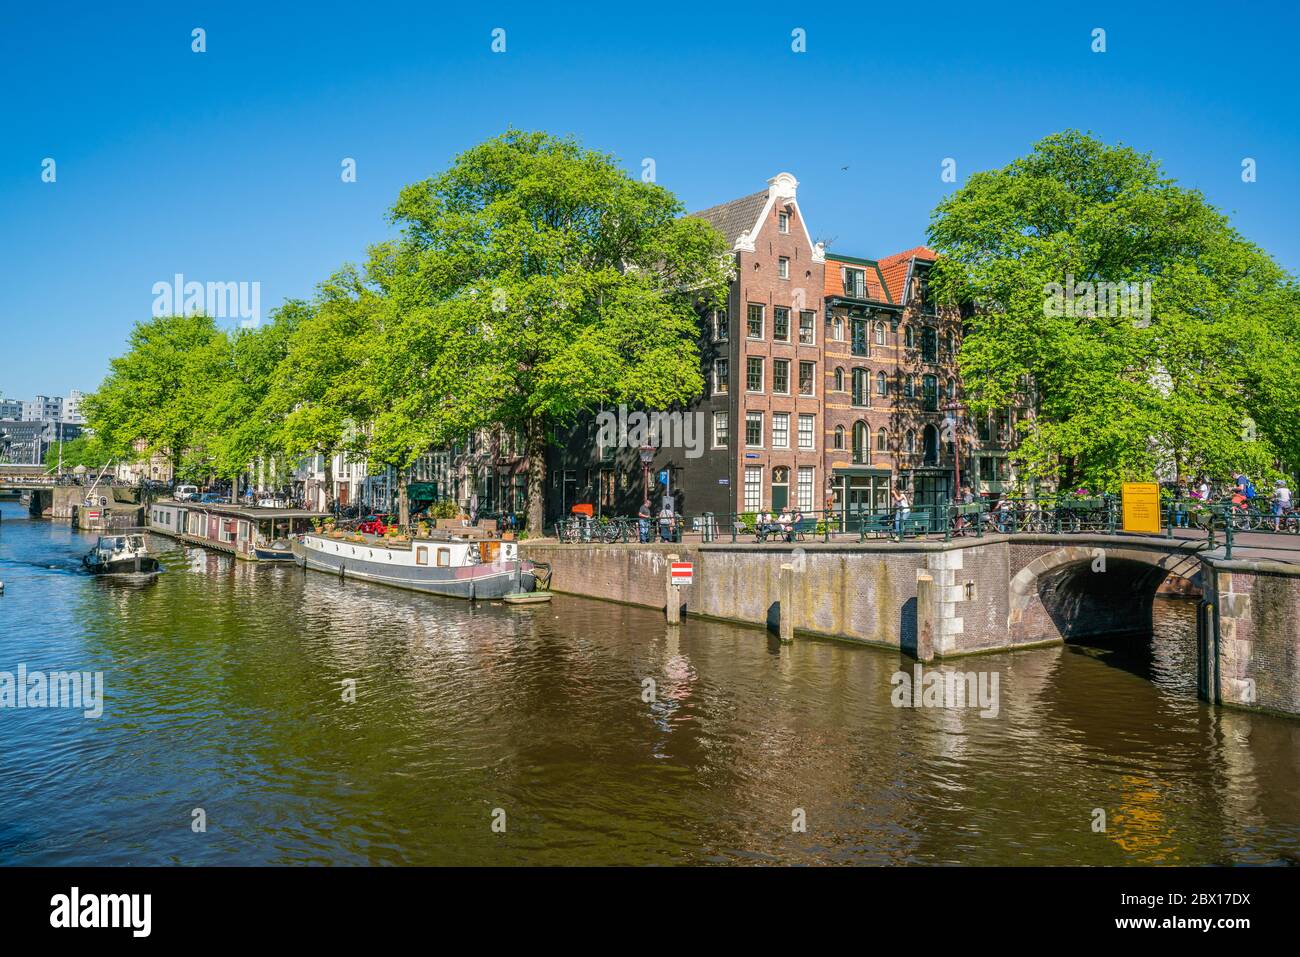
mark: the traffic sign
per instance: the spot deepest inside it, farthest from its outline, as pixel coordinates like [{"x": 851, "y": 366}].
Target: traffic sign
[{"x": 683, "y": 573}]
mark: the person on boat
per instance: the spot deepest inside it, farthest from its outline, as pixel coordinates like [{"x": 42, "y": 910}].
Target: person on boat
[{"x": 643, "y": 521}]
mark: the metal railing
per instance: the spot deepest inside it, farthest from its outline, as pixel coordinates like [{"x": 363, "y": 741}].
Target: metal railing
[{"x": 1233, "y": 528}]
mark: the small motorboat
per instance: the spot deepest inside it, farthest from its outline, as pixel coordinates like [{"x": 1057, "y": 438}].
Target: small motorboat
[
  {"x": 119, "y": 555},
  {"x": 279, "y": 550}
]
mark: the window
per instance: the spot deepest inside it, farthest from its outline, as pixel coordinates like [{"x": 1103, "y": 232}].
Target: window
[
  {"x": 909, "y": 387},
  {"x": 861, "y": 443},
  {"x": 721, "y": 325},
  {"x": 782, "y": 222},
  {"x": 753, "y": 488},
  {"x": 720, "y": 425},
  {"x": 880, "y": 333},
  {"x": 781, "y": 324},
  {"x": 422, "y": 555},
  {"x": 807, "y": 378},
  {"x": 783, "y": 267},
  {"x": 929, "y": 344},
  {"x": 859, "y": 344},
  {"x": 806, "y": 320},
  {"x": 780, "y": 488},
  {"x": 907, "y": 337},
  {"x": 930, "y": 392},
  {"x": 951, "y": 390},
  {"x": 861, "y": 385},
  {"x": 754, "y": 430},
  {"x": 947, "y": 342},
  {"x": 855, "y": 283},
  {"x": 806, "y": 425},
  {"x": 882, "y": 384},
  {"x": 839, "y": 437},
  {"x": 839, "y": 380},
  {"x": 444, "y": 557},
  {"x": 754, "y": 374},
  {"x": 804, "y": 490},
  {"x": 780, "y": 430},
  {"x": 909, "y": 442},
  {"x": 837, "y": 329},
  {"x": 882, "y": 441},
  {"x": 721, "y": 376},
  {"x": 755, "y": 321},
  {"x": 930, "y": 445},
  {"x": 781, "y": 376}
]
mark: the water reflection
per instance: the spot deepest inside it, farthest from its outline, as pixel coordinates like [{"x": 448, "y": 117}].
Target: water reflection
[{"x": 225, "y": 691}]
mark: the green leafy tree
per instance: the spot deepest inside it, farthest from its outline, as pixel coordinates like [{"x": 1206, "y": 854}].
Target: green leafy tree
[
  {"x": 158, "y": 393},
  {"x": 1122, "y": 385},
  {"x": 535, "y": 279},
  {"x": 86, "y": 450}
]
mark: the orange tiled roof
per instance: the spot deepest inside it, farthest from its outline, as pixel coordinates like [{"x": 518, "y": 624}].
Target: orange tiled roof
[
  {"x": 834, "y": 285},
  {"x": 895, "y": 268}
]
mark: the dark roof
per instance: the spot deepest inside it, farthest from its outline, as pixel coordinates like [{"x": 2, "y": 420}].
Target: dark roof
[{"x": 738, "y": 216}]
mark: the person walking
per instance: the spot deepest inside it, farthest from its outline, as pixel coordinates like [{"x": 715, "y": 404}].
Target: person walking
[
  {"x": 902, "y": 508},
  {"x": 1281, "y": 503},
  {"x": 643, "y": 521},
  {"x": 667, "y": 521}
]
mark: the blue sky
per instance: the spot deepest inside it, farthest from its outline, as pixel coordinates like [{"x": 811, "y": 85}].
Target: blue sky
[{"x": 225, "y": 166}]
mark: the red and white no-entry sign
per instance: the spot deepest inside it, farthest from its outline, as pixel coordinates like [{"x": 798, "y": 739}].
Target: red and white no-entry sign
[{"x": 682, "y": 573}]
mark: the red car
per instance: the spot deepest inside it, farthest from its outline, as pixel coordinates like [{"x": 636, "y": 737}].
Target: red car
[{"x": 375, "y": 524}]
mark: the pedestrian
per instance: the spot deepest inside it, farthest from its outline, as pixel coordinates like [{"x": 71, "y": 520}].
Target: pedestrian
[
  {"x": 902, "y": 508},
  {"x": 796, "y": 519},
  {"x": 1281, "y": 502},
  {"x": 667, "y": 521},
  {"x": 643, "y": 521}
]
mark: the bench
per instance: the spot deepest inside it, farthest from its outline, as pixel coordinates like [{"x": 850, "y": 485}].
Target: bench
[{"x": 875, "y": 523}]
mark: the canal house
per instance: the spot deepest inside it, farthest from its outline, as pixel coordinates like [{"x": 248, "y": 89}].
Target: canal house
[{"x": 243, "y": 532}]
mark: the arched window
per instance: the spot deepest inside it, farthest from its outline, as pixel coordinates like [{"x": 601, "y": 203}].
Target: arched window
[
  {"x": 839, "y": 380},
  {"x": 909, "y": 387},
  {"x": 880, "y": 333},
  {"x": 882, "y": 384},
  {"x": 930, "y": 445},
  {"x": 882, "y": 441},
  {"x": 907, "y": 337},
  {"x": 839, "y": 436},
  {"x": 837, "y": 327},
  {"x": 909, "y": 442},
  {"x": 930, "y": 392},
  {"x": 861, "y": 387},
  {"x": 861, "y": 443},
  {"x": 929, "y": 344},
  {"x": 947, "y": 342},
  {"x": 950, "y": 389}
]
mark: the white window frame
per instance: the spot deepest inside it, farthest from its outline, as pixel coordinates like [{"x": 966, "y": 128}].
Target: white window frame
[
  {"x": 782, "y": 222},
  {"x": 805, "y": 491},
  {"x": 748, "y": 416},
  {"x": 807, "y": 430},
  {"x": 754, "y": 503},
  {"x": 762, "y": 321},
  {"x": 784, "y": 419},
  {"x": 782, "y": 267},
  {"x": 762, "y": 376},
  {"x": 775, "y": 390},
  {"x": 725, "y": 417}
]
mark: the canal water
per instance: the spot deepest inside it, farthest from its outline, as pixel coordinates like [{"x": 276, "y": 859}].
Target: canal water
[{"x": 226, "y": 737}]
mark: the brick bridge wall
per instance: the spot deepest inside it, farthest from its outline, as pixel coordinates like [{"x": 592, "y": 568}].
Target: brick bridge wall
[{"x": 989, "y": 595}]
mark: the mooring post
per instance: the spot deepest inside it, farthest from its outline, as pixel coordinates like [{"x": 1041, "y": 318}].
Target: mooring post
[
  {"x": 926, "y": 615},
  {"x": 785, "y": 627},
  {"x": 672, "y": 605}
]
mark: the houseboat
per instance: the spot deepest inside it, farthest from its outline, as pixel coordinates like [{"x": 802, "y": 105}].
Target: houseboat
[
  {"x": 257, "y": 534},
  {"x": 452, "y": 565}
]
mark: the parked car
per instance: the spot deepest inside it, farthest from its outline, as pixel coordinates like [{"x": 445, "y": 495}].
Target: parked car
[
  {"x": 375, "y": 524},
  {"x": 186, "y": 493},
  {"x": 271, "y": 501},
  {"x": 212, "y": 498}
]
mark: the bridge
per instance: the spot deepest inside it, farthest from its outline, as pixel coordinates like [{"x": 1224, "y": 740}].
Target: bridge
[
  {"x": 25, "y": 477},
  {"x": 1000, "y": 592}
]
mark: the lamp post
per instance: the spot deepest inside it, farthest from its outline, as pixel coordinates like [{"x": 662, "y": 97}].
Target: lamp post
[{"x": 647, "y": 456}]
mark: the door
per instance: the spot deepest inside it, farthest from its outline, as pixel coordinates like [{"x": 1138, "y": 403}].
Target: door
[{"x": 780, "y": 488}]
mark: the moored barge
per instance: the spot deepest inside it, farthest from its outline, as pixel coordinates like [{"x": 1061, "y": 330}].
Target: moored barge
[{"x": 257, "y": 534}]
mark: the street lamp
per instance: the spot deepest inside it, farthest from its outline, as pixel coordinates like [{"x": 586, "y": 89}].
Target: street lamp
[{"x": 647, "y": 456}]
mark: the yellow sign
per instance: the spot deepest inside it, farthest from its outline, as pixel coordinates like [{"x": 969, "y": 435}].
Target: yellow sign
[{"x": 1141, "y": 507}]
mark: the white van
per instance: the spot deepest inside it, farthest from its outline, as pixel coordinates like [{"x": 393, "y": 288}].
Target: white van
[{"x": 186, "y": 493}]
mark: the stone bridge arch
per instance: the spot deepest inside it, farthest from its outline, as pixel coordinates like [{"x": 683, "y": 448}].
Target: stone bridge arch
[{"x": 1081, "y": 590}]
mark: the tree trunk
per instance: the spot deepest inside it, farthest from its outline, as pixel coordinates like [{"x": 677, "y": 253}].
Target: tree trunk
[
  {"x": 329, "y": 481},
  {"x": 536, "y": 476},
  {"x": 403, "y": 501}
]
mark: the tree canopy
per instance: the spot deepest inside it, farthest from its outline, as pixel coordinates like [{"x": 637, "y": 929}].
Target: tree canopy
[{"x": 1195, "y": 373}]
